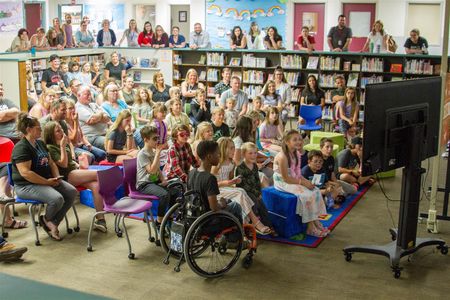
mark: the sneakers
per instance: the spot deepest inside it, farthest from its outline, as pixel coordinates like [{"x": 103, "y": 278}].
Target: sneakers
[
  {"x": 100, "y": 225},
  {"x": 9, "y": 252}
]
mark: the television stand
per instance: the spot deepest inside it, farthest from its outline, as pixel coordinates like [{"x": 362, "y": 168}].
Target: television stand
[{"x": 405, "y": 240}]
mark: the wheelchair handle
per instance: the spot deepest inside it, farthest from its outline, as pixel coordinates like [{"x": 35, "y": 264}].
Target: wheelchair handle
[{"x": 175, "y": 182}]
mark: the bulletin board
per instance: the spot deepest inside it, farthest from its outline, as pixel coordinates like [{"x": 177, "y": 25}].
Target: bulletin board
[
  {"x": 11, "y": 16},
  {"x": 223, "y": 15}
]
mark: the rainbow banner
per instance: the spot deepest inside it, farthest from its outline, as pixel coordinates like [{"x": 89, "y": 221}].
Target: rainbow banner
[{"x": 223, "y": 15}]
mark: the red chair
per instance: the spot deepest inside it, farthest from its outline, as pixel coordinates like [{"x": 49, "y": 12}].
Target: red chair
[
  {"x": 107, "y": 163},
  {"x": 6, "y": 148}
]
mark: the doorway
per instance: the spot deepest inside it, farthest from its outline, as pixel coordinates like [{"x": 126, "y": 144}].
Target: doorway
[
  {"x": 180, "y": 15},
  {"x": 311, "y": 15},
  {"x": 360, "y": 18},
  {"x": 34, "y": 16}
]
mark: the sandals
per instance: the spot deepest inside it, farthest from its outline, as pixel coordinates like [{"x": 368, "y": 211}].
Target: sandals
[
  {"x": 53, "y": 236},
  {"x": 316, "y": 232},
  {"x": 262, "y": 230},
  {"x": 17, "y": 224}
]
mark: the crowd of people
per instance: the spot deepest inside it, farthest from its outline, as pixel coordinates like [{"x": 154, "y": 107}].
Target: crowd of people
[{"x": 339, "y": 38}]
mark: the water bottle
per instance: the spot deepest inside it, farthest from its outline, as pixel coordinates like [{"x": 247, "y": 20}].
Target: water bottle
[
  {"x": 378, "y": 48},
  {"x": 33, "y": 51},
  {"x": 330, "y": 201},
  {"x": 424, "y": 49},
  {"x": 371, "y": 47}
]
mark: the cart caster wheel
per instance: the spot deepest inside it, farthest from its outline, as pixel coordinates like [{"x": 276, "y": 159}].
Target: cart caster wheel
[
  {"x": 37, "y": 243},
  {"x": 348, "y": 257},
  {"x": 166, "y": 261},
  {"x": 397, "y": 274},
  {"x": 89, "y": 248},
  {"x": 131, "y": 256},
  {"x": 248, "y": 261},
  {"x": 444, "y": 249},
  {"x": 176, "y": 269},
  {"x": 158, "y": 243},
  {"x": 77, "y": 229},
  {"x": 5, "y": 235},
  {"x": 152, "y": 239},
  {"x": 69, "y": 231},
  {"x": 119, "y": 234}
]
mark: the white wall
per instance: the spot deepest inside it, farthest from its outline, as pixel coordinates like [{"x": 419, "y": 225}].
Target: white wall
[{"x": 175, "y": 9}]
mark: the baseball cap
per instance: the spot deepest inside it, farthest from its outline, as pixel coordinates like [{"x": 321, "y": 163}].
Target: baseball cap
[
  {"x": 53, "y": 57},
  {"x": 357, "y": 141}
]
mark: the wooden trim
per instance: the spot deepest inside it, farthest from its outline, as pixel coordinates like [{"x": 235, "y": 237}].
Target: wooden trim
[{"x": 23, "y": 86}]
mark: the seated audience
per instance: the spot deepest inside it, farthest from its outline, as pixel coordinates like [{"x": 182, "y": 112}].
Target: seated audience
[
  {"x": 84, "y": 37},
  {"x": 284, "y": 90},
  {"x": 42, "y": 107},
  {"x": 36, "y": 176},
  {"x": 115, "y": 69},
  {"x": 234, "y": 183},
  {"x": 158, "y": 115},
  {"x": 416, "y": 44},
  {"x": 221, "y": 86},
  {"x": 340, "y": 36},
  {"x": 257, "y": 106},
  {"x": 149, "y": 178},
  {"x": 96, "y": 74},
  {"x": 271, "y": 131},
  {"x": 231, "y": 114},
  {"x": 349, "y": 164},
  {"x": 55, "y": 40},
  {"x": 142, "y": 107},
  {"x": 119, "y": 143},
  {"x": 161, "y": 39},
  {"x": 159, "y": 89},
  {"x": 106, "y": 36},
  {"x": 236, "y": 93},
  {"x": 347, "y": 112},
  {"x": 237, "y": 39},
  {"x": 145, "y": 38},
  {"x": 204, "y": 132},
  {"x": 189, "y": 86},
  {"x": 176, "y": 40},
  {"x": 58, "y": 111},
  {"x": 79, "y": 141},
  {"x": 58, "y": 147},
  {"x": 21, "y": 42},
  {"x": 59, "y": 32},
  {"x": 338, "y": 94},
  {"x": 220, "y": 129},
  {"x": 305, "y": 41},
  {"x": 128, "y": 93},
  {"x": 8, "y": 116},
  {"x": 199, "y": 38},
  {"x": 176, "y": 117},
  {"x": 39, "y": 41},
  {"x": 270, "y": 97},
  {"x": 273, "y": 41},
  {"x": 255, "y": 39},
  {"x": 288, "y": 178},
  {"x": 131, "y": 34},
  {"x": 181, "y": 158},
  {"x": 93, "y": 119},
  {"x": 200, "y": 110},
  {"x": 377, "y": 40},
  {"x": 74, "y": 71},
  {"x": 52, "y": 75},
  {"x": 312, "y": 94},
  {"x": 202, "y": 181},
  {"x": 112, "y": 104}
]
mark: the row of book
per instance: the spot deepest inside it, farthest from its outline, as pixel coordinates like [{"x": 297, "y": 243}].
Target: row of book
[
  {"x": 177, "y": 59},
  {"x": 371, "y": 79},
  {"x": 253, "y": 76},
  {"x": 253, "y": 90},
  {"x": 250, "y": 61},
  {"x": 212, "y": 75},
  {"x": 418, "y": 66},
  {"x": 372, "y": 64},
  {"x": 330, "y": 63},
  {"x": 291, "y": 61},
  {"x": 215, "y": 59}
]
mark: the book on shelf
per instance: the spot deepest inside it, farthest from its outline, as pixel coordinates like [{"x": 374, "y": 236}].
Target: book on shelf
[
  {"x": 291, "y": 61},
  {"x": 137, "y": 75},
  {"x": 253, "y": 76},
  {"x": 252, "y": 90},
  {"x": 396, "y": 68},
  {"x": 370, "y": 80},
  {"x": 237, "y": 73},
  {"x": 372, "y": 64},
  {"x": 177, "y": 59},
  {"x": 176, "y": 74},
  {"x": 292, "y": 77},
  {"x": 361, "y": 116},
  {"x": 330, "y": 63},
  {"x": 328, "y": 97},
  {"x": 418, "y": 66},
  {"x": 235, "y": 61},
  {"x": 327, "y": 113},
  {"x": 362, "y": 98},
  {"x": 347, "y": 66},
  {"x": 215, "y": 59},
  {"x": 39, "y": 64},
  {"x": 295, "y": 95},
  {"x": 202, "y": 59},
  {"x": 356, "y": 67},
  {"x": 213, "y": 75},
  {"x": 202, "y": 75},
  {"x": 327, "y": 80},
  {"x": 313, "y": 61},
  {"x": 352, "y": 80},
  {"x": 144, "y": 63},
  {"x": 250, "y": 61}
]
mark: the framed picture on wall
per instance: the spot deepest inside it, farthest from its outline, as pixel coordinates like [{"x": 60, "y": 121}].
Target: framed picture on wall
[
  {"x": 75, "y": 10},
  {"x": 182, "y": 16}
]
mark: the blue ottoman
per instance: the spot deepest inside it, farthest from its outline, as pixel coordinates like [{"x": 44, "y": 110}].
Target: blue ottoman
[{"x": 282, "y": 210}]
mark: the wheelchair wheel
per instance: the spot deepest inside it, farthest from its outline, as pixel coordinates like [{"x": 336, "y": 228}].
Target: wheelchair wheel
[
  {"x": 164, "y": 232},
  {"x": 220, "y": 234}
]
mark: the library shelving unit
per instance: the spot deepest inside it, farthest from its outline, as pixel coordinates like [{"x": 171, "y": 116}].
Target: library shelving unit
[{"x": 255, "y": 67}]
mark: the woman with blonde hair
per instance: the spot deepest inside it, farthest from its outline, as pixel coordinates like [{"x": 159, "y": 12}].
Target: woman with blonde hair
[
  {"x": 204, "y": 133},
  {"x": 112, "y": 104},
  {"x": 106, "y": 36},
  {"x": 176, "y": 116},
  {"x": 142, "y": 107},
  {"x": 159, "y": 89},
  {"x": 42, "y": 107},
  {"x": 39, "y": 41},
  {"x": 119, "y": 143},
  {"x": 377, "y": 40},
  {"x": 190, "y": 86},
  {"x": 131, "y": 33}
]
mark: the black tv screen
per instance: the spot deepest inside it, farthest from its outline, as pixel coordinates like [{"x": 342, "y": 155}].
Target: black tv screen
[{"x": 391, "y": 108}]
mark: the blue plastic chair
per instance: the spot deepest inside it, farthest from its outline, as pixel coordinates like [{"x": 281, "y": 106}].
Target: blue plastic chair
[
  {"x": 34, "y": 204},
  {"x": 310, "y": 113}
]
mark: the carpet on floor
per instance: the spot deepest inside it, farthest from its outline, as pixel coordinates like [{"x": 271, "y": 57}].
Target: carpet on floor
[{"x": 330, "y": 220}]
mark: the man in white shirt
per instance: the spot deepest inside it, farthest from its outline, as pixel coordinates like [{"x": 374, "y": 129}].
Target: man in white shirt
[{"x": 199, "y": 38}]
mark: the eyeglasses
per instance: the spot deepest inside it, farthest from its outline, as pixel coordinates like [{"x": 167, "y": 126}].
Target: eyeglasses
[{"x": 183, "y": 134}]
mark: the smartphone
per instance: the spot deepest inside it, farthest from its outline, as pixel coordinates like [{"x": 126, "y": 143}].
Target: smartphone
[{"x": 60, "y": 177}]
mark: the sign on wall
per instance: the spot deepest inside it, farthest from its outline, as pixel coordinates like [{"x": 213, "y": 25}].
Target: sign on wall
[
  {"x": 75, "y": 10},
  {"x": 11, "y": 16},
  {"x": 223, "y": 15}
]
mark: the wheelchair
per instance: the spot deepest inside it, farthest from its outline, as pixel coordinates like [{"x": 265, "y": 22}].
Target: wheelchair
[{"x": 210, "y": 242}]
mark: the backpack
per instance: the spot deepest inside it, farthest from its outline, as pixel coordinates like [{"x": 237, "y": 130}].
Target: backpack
[{"x": 391, "y": 44}]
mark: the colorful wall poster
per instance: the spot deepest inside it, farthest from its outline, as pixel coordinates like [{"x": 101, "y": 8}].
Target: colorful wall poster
[
  {"x": 223, "y": 15},
  {"x": 144, "y": 13},
  {"x": 115, "y": 13},
  {"x": 11, "y": 16}
]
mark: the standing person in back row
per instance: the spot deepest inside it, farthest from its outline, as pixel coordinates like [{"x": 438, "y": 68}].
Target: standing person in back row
[
  {"x": 199, "y": 38},
  {"x": 340, "y": 36},
  {"x": 416, "y": 44},
  {"x": 68, "y": 32}
]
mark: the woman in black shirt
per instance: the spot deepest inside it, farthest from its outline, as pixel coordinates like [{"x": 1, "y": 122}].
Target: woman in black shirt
[
  {"x": 159, "y": 89},
  {"x": 312, "y": 94}
]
